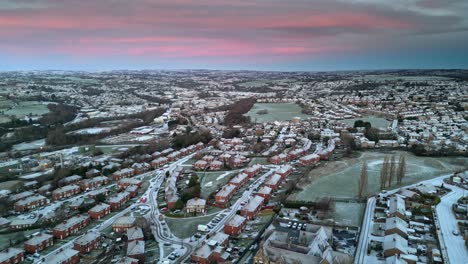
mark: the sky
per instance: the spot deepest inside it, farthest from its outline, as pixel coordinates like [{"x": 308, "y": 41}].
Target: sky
[{"x": 283, "y": 35}]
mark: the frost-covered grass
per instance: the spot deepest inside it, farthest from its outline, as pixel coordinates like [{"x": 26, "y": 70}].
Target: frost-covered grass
[
  {"x": 340, "y": 178},
  {"x": 211, "y": 181},
  {"x": 375, "y": 121},
  {"x": 26, "y": 108},
  {"x": 276, "y": 112},
  {"x": 187, "y": 227}
]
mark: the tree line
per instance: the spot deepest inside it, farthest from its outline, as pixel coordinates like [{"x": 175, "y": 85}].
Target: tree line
[
  {"x": 236, "y": 111},
  {"x": 390, "y": 172}
]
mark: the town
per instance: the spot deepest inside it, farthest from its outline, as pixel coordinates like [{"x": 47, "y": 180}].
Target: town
[{"x": 205, "y": 166}]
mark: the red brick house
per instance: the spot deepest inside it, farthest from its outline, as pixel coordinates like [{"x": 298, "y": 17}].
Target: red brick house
[
  {"x": 65, "y": 191},
  {"x": 125, "y": 182},
  {"x": 12, "y": 256},
  {"x": 235, "y": 225},
  {"x": 69, "y": 180},
  {"x": 70, "y": 226},
  {"x": 135, "y": 233},
  {"x": 136, "y": 250},
  {"x": 141, "y": 167},
  {"x": 253, "y": 207},
  {"x": 156, "y": 155},
  {"x": 92, "y": 173},
  {"x": 87, "y": 242},
  {"x": 239, "y": 180},
  {"x": 215, "y": 165},
  {"x": 119, "y": 200},
  {"x": 253, "y": 170},
  {"x": 174, "y": 156},
  {"x": 309, "y": 159},
  {"x": 38, "y": 243},
  {"x": 30, "y": 202},
  {"x": 132, "y": 190},
  {"x": 123, "y": 173},
  {"x": 265, "y": 192},
  {"x": 284, "y": 171},
  {"x": 278, "y": 159},
  {"x": 92, "y": 183},
  {"x": 95, "y": 193},
  {"x": 99, "y": 211},
  {"x": 212, "y": 251},
  {"x": 123, "y": 223},
  {"x": 156, "y": 163},
  {"x": 64, "y": 256},
  {"x": 196, "y": 205},
  {"x": 225, "y": 194},
  {"x": 208, "y": 158},
  {"x": 200, "y": 165},
  {"x": 274, "y": 181}
]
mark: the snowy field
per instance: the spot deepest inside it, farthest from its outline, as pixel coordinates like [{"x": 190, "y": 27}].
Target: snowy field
[
  {"x": 375, "y": 121},
  {"x": 90, "y": 131},
  {"x": 276, "y": 112},
  {"x": 26, "y": 108},
  {"x": 30, "y": 145},
  {"x": 348, "y": 213},
  {"x": 340, "y": 178}
]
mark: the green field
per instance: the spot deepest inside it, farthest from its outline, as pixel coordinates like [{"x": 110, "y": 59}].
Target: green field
[
  {"x": 323, "y": 181},
  {"x": 276, "y": 112}
]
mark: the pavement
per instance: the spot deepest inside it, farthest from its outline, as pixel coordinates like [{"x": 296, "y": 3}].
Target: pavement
[
  {"x": 454, "y": 245},
  {"x": 361, "y": 250}
]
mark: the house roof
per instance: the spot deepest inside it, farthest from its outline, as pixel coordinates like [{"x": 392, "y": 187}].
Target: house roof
[
  {"x": 38, "y": 239},
  {"x": 87, "y": 238},
  {"x": 395, "y": 241},
  {"x": 236, "y": 221},
  {"x": 136, "y": 247},
  {"x": 124, "y": 220},
  {"x": 61, "y": 256},
  {"x": 134, "y": 233},
  {"x": 9, "y": 253},
  {"x": 196, "y": 202}
]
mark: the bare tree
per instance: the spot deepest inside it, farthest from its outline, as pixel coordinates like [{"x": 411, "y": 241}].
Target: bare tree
[
  {"x": 363, "y": 181},
  {"x": 392, "y": 171},
  {"x": 401, "y": 169},
  {"x": 384, "y": 173}
]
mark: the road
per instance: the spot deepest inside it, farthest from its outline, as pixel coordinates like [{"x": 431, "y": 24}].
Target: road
[
  {"x": 245, "y": 196},
  {"x": 361, "y": 250},
  {"x": 454, "y": 245},
  {"x": 161, "y": 233},
  {"x": 154, "y": 184}
]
